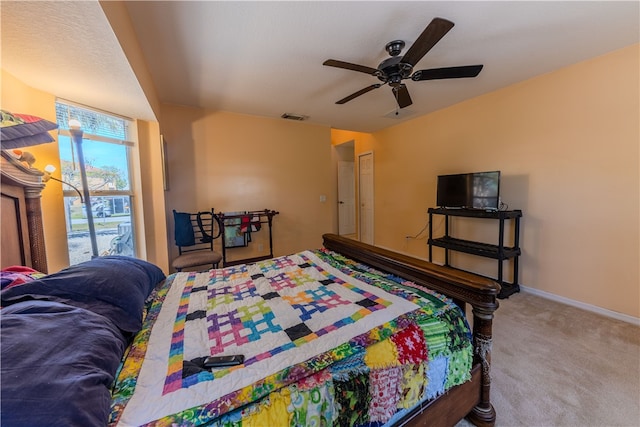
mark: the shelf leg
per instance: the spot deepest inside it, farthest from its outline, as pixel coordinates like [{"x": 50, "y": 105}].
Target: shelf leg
[
  {"x": 446, "y": 233},
  {"x": 430, "y": 237},
  {"x": 270, "y": 219}
]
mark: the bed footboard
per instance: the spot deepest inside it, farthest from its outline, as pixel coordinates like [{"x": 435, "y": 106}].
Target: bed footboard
[{"x": 464, "y": 288}]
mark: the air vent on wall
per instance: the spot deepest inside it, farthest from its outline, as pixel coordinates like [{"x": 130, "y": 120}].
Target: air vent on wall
[{"x": 297, "y": 117}]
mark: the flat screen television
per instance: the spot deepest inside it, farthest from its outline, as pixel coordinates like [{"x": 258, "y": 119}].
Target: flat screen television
[{"x": 477, "y": 190}]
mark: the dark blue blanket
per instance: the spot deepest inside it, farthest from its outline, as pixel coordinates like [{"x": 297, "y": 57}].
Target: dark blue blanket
[
  {"x": 62, "y": 338},
  {"x": 58, "y": 364}
]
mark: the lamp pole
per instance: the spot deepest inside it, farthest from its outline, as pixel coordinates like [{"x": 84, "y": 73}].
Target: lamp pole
[{"x": 76, "y": 135}]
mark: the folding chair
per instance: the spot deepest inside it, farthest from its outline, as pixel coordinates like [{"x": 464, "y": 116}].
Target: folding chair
[{"x": 194, "y": 236}]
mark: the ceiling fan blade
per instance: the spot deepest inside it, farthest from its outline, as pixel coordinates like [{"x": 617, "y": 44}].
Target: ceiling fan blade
[
  {"x": 431, "y": 35},
  {"x": 350, "y": 66},
  {"x": 358, "y": 93},
  {"x": 447, "y": 73},
  {"x": 401, "y": 94}
]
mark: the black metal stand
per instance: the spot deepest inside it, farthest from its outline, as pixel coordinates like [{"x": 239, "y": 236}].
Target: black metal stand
[
  {"x": 264, "y": 217},
  {"x": 498, "y": 252}
]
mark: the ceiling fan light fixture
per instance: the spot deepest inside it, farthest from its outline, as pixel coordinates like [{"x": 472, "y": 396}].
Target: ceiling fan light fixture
[{"x": 296, "y": 117}]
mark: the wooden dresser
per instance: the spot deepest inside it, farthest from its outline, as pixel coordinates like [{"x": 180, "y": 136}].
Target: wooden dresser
[{"x": 22, "y": 235}]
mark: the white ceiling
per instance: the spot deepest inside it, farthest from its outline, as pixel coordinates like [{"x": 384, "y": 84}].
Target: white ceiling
[{"x": 265, "y": 58}]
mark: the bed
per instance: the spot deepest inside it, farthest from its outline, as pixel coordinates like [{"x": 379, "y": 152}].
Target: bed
[{"x": 373, "y": 338}]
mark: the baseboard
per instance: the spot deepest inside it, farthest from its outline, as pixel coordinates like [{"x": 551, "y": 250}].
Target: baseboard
[{"x": 588, "y": 307}]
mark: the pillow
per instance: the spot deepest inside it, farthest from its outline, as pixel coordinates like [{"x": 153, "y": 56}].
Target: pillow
[
  {"x": 58, "y": 364},
  {"x": 113, "y": 286},
  {"x": 21, "y": 130}
]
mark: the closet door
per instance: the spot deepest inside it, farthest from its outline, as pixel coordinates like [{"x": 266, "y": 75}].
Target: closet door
[{"x": 365, "y": 196}]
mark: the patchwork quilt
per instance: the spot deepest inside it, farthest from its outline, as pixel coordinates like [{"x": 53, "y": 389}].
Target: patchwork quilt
[{"x": 326, "y": 341}]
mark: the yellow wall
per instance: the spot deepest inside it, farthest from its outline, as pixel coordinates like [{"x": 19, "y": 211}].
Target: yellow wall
[
  {"x": 567, "y": 145},
  {"x": 17, "y": 97},
  {"x": 232, "y": 162}
]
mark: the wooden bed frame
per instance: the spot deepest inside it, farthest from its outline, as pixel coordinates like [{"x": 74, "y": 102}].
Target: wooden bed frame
[{"x": 471, "y": 399}]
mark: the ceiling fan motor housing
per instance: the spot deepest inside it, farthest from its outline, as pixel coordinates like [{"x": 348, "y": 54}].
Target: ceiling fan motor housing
[{"x": 393, "y": 70}]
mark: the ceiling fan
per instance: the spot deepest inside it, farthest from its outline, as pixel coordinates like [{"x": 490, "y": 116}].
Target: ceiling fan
[{"x": 397, "y": 68}]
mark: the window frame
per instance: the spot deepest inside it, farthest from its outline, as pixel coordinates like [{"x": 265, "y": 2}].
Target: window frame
[{"x": 130, "y": 146}]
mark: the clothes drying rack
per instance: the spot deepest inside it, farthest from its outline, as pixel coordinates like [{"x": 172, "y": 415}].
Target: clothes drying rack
[{"x": 250, "y": 219}]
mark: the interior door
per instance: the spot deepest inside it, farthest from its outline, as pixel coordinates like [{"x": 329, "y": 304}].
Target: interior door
[
  {"x": 365, "y": 196},
  {"x": 346, "y": 198}
]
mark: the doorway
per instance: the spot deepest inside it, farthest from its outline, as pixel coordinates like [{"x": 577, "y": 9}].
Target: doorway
[{"x": 347, "y": 204}]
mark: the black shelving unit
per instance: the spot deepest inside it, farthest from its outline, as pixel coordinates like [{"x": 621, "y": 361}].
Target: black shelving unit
[{"x": 499, "y": 252}]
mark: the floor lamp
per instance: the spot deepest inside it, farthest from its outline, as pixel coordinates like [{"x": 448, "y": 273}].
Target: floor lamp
[{"x": 76, "y": 134}]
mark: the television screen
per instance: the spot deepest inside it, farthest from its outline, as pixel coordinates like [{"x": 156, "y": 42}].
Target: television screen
[{"x": 478, "y": 190}]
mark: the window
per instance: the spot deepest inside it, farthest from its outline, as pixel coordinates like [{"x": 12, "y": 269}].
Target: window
[{"x": 106, "y": 150}]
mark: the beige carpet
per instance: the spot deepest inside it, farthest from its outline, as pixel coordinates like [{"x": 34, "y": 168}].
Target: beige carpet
[{"x": 557, "y": 365}]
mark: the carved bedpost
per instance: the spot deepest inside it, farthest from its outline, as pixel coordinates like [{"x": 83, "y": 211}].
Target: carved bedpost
[
  {"x": 32, "y": 196},
  {"x": 483, "y": 414}
]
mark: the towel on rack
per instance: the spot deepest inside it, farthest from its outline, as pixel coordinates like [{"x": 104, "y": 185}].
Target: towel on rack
[
  {"x": 244, "y": 223},
  {"x": 255, "y": 223},
  {"x": 184, "y": 229}
]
